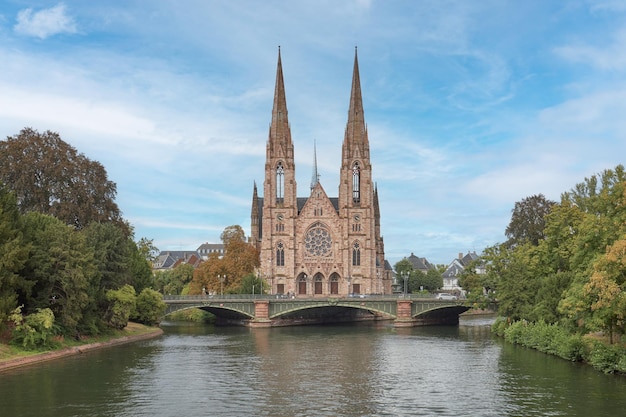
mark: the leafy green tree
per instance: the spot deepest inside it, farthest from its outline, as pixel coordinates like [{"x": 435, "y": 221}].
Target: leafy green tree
[
  {"x": 432, "y": 281},
  {"x": 528, "y": 220},
  {"x": 13, "y": 254},
  {"x": 49, "y": 176},
  {"x": 122, "y": 304},
  {"x": 252, "y": 284},
  {"x": 403, "y": 267},
  {"x": 140, "y": 268},
  {"x": 59, "y": 266},
  {"x": 150, "y": 307},
  {"x": 147, "y": 249}
]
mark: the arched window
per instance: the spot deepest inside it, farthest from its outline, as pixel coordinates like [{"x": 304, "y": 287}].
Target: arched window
[
  {"x": 280, "y": 254},
  {"x": 280, "y": 182},
  {"x": 356, "y": 183},
  {"x": 356, "y": 254}
]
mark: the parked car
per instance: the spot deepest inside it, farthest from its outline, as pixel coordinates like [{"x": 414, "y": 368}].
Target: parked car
[{"x": 446, "y": 296}]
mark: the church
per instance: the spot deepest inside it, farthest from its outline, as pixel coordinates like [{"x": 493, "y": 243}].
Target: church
[{"x": 319, "y": 245}]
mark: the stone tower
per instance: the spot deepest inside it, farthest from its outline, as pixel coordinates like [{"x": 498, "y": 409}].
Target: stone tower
[{"x": 319, "y": 245}]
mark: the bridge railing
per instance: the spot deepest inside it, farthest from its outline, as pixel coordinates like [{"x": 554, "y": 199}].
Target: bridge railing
[{"x": 297, "y": 297}]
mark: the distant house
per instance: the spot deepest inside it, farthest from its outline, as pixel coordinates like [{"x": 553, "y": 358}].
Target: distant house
[
  {"x": 208, "y": 248},
  {"x": 420, "y": 264},
  {"x": 456, "y": 267},
  {"x": 171, "y": 259}
]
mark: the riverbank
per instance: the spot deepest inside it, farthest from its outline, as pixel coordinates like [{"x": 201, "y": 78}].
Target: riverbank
[{"x": 132, "y": 333}]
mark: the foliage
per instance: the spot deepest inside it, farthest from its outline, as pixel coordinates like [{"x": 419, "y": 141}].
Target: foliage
[
  {"x": 59, "y": 267},
  {"x": 35, "y": 331},
  {"x": 430, "y": 281},
  {"x": 150, "y": 307},
  {"x": 122, "y": 303},
  {"x": 607, "y": 358},
  {"x": 13, "y": 254},
  {"x": 548, "y": 338},
  {"x": 573, "y": 281},
  {"x": 528, "y": 220},
  {"x": 147, "y": 249},
  {"x": 252, "y": 284},
  {"x": 240, "y": 259},
  {"x": 192, "y": 314},
  {"x": 49, "y": 176}
]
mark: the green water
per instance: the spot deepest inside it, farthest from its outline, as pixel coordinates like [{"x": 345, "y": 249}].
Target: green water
[{"x": 196, "y": 370}]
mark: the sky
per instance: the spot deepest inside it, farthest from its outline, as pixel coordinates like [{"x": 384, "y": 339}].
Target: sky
[{"x": 471, "y": 106}]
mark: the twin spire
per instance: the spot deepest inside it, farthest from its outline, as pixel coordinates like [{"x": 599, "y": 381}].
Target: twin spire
[{"x": 355, "y": 142}]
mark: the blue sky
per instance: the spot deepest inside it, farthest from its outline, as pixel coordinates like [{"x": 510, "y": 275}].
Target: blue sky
[{"x": 470, "y": 105}]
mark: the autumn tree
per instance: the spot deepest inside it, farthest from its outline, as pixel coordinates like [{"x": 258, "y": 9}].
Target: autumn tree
[
  {"x": 49, "y": 176},
  {"x": 240, "y": 259}
]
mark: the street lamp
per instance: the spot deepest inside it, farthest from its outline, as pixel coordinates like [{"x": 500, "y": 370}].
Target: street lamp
[
  {"x": 405, "y": 276},
  {"x": 222, "y": 278},
  {"x": 349, "y": 278}
]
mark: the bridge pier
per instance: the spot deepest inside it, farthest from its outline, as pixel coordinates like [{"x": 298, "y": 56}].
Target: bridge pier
[
  {"x": 261, "y": 314},
  {"x": 403, "y": 317}
]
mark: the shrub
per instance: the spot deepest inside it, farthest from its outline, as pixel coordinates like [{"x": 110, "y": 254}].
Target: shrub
[
  {"x": 150, "y": 307},
  {"x": 121, "y": 306},
  {"x": 34, "y": 331}
]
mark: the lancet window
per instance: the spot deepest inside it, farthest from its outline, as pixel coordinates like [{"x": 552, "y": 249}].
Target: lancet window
[
  {"x": 280, "y": 183},
  {"x": 356, "y": 183}
]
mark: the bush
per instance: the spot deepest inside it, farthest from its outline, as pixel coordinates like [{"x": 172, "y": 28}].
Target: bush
[
  {"x": 150, "y": 307},
  {"x": 607, "y": 358},
  {"x": 121, "y": 306},
  {"x": 34, "y": 331}
]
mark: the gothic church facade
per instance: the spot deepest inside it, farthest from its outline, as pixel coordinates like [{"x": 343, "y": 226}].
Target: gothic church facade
[{"x": 319, "y": 245}]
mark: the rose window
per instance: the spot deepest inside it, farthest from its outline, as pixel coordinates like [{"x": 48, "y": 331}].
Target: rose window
[{"x": 318, "y": 242}]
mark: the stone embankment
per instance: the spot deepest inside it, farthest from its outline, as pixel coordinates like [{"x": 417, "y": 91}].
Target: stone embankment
[{"x": 75, "y": 350}]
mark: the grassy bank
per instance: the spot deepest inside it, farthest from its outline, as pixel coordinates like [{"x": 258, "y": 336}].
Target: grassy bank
[
  {"x": 593, "y": 349},
  {"x": 13, "y": 356}
]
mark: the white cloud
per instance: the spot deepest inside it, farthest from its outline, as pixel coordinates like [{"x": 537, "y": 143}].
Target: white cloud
[
  {"x": 45, "y": 23},
  {"x": 609, "y": 56}
]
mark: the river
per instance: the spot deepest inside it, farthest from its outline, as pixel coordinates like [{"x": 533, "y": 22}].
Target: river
[{"x": 344, "y": 370}]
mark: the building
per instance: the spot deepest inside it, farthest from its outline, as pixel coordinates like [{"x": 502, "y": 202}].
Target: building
[
  {"x": 208, "y": 248},
  {"x": 420, "y": 264},
  {"x": 171, "y": 259},
  {"x": 319, "y": 245},
  {"x": 456, "y": 267}
]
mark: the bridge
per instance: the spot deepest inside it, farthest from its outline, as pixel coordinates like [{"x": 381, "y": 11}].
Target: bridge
[{"x": 276, "y": 310}]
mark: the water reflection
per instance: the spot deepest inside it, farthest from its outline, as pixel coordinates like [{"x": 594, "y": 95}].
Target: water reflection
[{"x": 318, "y": 370}]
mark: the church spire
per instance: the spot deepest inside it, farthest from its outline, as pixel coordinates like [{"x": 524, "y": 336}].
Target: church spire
[
  {"x": 356, "y": 143},
  {"x": 280, "y": 133},
  {"x": 315, "y": 178}
]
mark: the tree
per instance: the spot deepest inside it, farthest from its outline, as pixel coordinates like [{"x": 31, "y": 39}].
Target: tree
[
  {"x": 150, "y": 307},
  {"x": 240, "y": 258},
  {"x": 60, "y": 268},
  {"x": 140, "y": 268},
  {"x": 432, "y": 281},
  {"x": 528, "y": 220},
  {"x": 122, "y": 305},
  {"x": 147, "y": 249},
  {"x": 403, "y": 267},
  {"x": 49, "y": 176},
  {"x": 13, "y": 254}
]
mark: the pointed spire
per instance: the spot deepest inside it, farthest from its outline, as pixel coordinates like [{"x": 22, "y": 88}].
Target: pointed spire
[
  {"x": 356, "y": 133},
  {"x": 279, "y": 130},
  {"x": 315, "y": 178}
]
